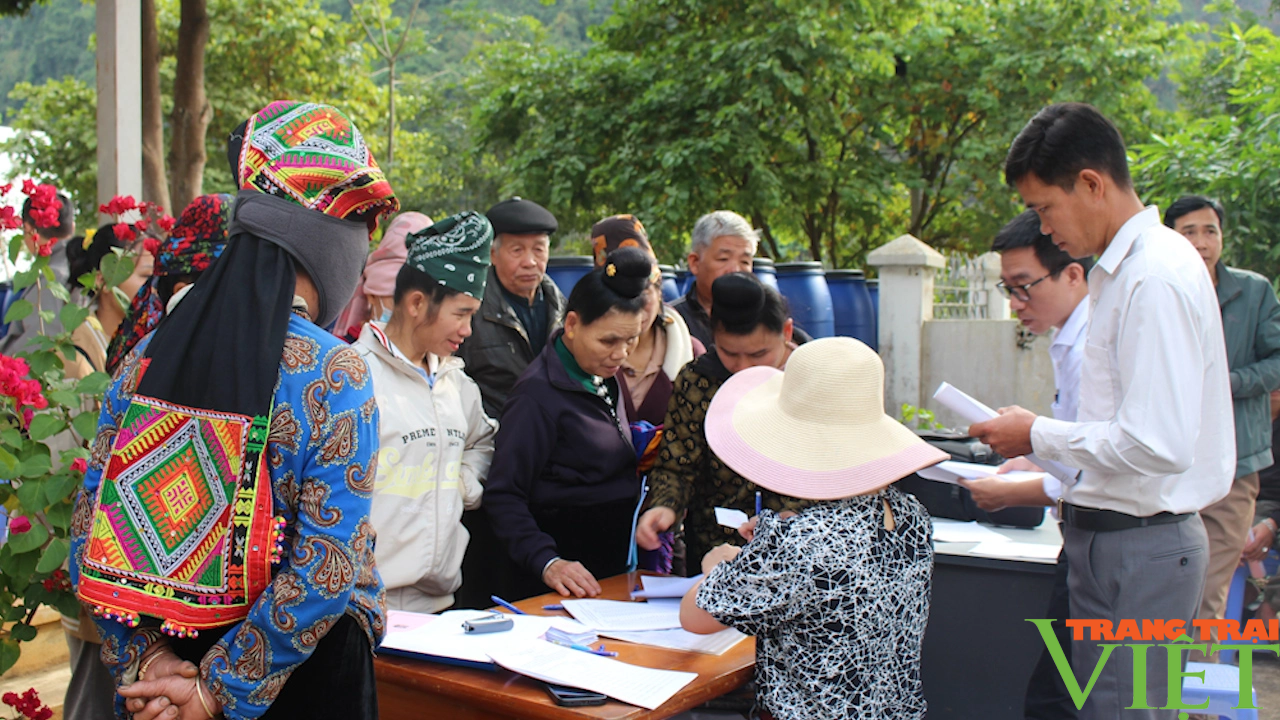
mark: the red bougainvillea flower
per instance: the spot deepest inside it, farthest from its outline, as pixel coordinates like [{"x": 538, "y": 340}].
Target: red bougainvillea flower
[
  {"x": 142, "y": 224},
  {"x": 19, "y": 524},
  {"x": 5, "y": 188},
  {"x": 80, "y": 465},
  {"x": 124, "y": 232},
  {"x": 28, "y": 704},
  {"x": 166, "y": 223},
  {"x": 152, "y": 246},
  {"x": 28, "y": 186},
  {"x": 119, "y": 205},
  {"x": 9, "y": 218},
  {"x": 27, "y": 394},
  {"x": 45, "y": 204}
]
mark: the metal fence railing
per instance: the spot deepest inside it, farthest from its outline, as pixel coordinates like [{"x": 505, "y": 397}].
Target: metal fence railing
[{"x": 961, "y": 290}]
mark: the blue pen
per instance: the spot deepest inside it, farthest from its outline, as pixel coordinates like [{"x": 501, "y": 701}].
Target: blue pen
[
  {"x": 758, "y": 508},
  {"x": 506, "y": 605},
  {"x": 601, "y": 652},
  {"x": 553, "y": 607}
]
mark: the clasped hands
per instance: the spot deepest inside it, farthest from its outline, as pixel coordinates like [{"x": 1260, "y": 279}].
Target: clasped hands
[{"x": 169, "y": 689}]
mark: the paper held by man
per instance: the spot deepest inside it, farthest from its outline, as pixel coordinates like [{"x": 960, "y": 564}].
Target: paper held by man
[{"x": 974, "y": 411}]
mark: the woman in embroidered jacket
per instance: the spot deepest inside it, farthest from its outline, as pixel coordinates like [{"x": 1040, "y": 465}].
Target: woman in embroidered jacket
[
  {"x": 223, "y": 537},
  {"x": 436, "y": 441}
]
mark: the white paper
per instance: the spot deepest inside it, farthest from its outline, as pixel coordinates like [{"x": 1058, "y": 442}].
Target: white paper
[
  {"x": 964, "y": 532},
  {"x": 949, "y": 471},
  {"x": 661, "y": 586},
  {"x": 1019, "y": 550},
  {"x": 975, "y": 412},
  {"x": 731, "y": 518},
  {"x": 677, "y": 639},
  {"x": 602, "y": 615},
  {"x": 444, "y": 637},
  {"x": 631, "y": 684}
]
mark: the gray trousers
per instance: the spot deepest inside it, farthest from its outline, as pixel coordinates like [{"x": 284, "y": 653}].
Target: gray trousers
[
  {"x": 1155, "y": 572},
  {"x": 91, "y": 694}
]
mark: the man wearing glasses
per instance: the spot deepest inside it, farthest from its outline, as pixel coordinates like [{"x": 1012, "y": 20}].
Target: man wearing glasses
[{"x": 1047, "y": 288}]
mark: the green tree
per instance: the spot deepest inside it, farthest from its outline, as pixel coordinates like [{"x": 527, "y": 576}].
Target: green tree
[
  {"x": 1225, "y": 144},
  {"x": 56, "y": 139}
]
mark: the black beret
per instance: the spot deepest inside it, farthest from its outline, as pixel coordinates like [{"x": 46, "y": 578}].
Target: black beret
[{"x": 518, "y": 216}]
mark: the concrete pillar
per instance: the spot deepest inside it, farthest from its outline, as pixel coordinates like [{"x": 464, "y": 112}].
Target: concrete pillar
[
  {"x": 119, "y": 28},
  {"x": 997, "y": 304},
  {"x": 906, "y": 267}
]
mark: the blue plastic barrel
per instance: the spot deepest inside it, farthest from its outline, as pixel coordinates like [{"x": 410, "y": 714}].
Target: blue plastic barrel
[
  {"x": 566, "y": 270},
  {"x": 873, "y": 288},
  {"x": 805, "y": 288},
  {"x": 855, "y": 316},
  {"x": 684, "y": 280},
  {"x": 764, "y": 269},
  {"x": 670, "y": 289}
]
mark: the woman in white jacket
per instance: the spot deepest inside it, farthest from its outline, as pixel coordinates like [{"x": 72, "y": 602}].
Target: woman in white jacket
[{"x": 436, "y": 441}]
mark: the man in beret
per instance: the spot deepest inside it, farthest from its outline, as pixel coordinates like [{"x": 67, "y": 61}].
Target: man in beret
[
  {"x": 521, "y": 308},
  {"x": 513, "y": 323}
]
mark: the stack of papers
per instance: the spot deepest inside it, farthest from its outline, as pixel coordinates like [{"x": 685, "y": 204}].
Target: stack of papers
[
  {"x": 1019, "y": 550},
  {"x": 631, "y": 684},
  {"x": 950, "y": 471},
  {"x": 621, "y": 616},
  {"x": 964, "y": 532},
  {"x": 679, "y": 639},
  {"x": 563, "y": 636},
  {"x": 444, "y": 640}
]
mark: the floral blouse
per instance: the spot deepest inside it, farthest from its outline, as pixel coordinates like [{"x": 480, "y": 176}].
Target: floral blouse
[
  {"x": 321, "y": 447},
  {"x": 838, "y": 604}
]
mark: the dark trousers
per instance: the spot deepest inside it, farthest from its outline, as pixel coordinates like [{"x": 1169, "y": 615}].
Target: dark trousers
[{"x": 1047, "y": 697}]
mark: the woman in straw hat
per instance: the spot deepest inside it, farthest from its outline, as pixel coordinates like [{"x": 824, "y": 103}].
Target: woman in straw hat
[{"x": 837, "y": 596}]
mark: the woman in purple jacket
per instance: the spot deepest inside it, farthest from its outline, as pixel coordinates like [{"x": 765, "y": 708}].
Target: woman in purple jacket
[{"x": 563, "y": 485}]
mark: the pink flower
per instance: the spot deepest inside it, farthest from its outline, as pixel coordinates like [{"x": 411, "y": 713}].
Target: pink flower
[
  {"x": 80, "y": 465},
  {"x": 19, "y": 524}
]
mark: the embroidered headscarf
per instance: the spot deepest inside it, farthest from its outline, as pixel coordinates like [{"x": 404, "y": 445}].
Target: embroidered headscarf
[
  {"x": 196, "y": 240},
  {"x": 619, "y": 231},
  {"x": 455, "y": 252}
]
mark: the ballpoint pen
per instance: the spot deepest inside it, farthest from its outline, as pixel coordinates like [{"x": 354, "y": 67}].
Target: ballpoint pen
[
  {"x": 553, "y": 607},
  {"x": 506, "y": 605},
  {"x": 758, "y": 507},
  {"x": 584, "y": 648}
]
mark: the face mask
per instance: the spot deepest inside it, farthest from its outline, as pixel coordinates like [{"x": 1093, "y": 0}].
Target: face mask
[{"x": 385, "y": 316}]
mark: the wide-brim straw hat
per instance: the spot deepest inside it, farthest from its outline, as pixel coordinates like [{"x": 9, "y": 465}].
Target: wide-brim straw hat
[{"x": 818, "y": 430}]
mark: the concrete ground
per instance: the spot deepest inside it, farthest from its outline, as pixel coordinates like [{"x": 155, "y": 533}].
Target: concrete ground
[{"x": 1266, "y": 680}]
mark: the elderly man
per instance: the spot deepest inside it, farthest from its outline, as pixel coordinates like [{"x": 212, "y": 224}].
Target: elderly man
[
  {"x": 1251, "y": 328},
  {"x": 723, "y": 242},
  {"x": 514, "y": 322},
  {"x": 520, "y": 310}
]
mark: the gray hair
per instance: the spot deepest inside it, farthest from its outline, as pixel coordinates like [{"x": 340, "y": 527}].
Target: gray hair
[{"x": 719, "y": 224}]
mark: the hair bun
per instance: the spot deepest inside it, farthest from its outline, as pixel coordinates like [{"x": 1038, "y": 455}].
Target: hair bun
[
  {"x": 627, "y": 271},
  {"x": 738, "y": 297}
]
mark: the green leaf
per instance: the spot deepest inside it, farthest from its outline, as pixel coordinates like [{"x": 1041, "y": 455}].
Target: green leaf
[
  {"x": 23, "y": 632},
  {"x": 31, "y": 497},
  {"x": 72, "y": 316},
  {"x": 94, "y": 384},
  {"x": 15, "y": 247},
  {"x": 59, "y": 515},
  {"x": 9, "y": 653},
  {"x": 67, "y": 604},
  {"x": 85, "y": 424},
  {"x": 8, "y": 463},
  {"x": 66, "y": 398},
  {"x": 30, "y": 540},
  {"x": 58, "y": 487},
  {"x": 25, "y": 279},
  {"x": 45, "y": 425},
  {"x": 59, "y": 291},
  {"x": 11, "y": 437},
  {"x": 54, "y": 555},
  {"x": 19, "y": 310}
]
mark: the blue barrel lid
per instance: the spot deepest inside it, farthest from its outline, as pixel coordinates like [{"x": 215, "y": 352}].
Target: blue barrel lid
[
  {"x": 571, "y": 261},
  {"x": 846, "y": 273},
  {"x": 798, "y": 266}
]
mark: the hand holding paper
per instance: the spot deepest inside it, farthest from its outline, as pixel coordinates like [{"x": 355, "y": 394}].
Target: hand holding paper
[
  {"x": 976, "y": 412},
  {"x": 1009, "y": 433}
]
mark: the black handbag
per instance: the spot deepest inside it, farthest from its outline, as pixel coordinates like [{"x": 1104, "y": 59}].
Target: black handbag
[{"x": 946, "y": 500}]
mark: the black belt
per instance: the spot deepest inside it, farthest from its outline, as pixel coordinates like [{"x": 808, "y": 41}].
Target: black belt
[{"x": 1095, "y": 520}]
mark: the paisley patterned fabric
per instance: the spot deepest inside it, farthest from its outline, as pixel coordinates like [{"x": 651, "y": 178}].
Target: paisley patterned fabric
[
  {"x": 327, "y": 569},
  {"x": 314, "y": 155}
]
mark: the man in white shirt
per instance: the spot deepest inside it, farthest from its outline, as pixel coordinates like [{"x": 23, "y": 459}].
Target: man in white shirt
[
  {"x": 1154, "y": 440},
  {"x": 1048, "y": 290}
]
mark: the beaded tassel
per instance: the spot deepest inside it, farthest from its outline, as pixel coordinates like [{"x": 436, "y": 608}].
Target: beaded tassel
[{"x": 278, "y": 540}]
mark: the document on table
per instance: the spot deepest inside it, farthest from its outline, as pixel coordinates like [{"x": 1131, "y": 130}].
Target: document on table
[
  {"x": 975, "y": 412},
  {"x": 965, "y": 532},
  {"x": 403, "y": 621},
  {"x": 678, "y": 639},
  {"x": 445, "y": 638},
  {"x": 730, "y": 518},
  {"x": 602, "y": 615},
  {"x": 656, "y": 586},
  {"x": 950, "y": 471},
  {"x": 1009, "y": 549},
  {"x": 631, "y": 684}
]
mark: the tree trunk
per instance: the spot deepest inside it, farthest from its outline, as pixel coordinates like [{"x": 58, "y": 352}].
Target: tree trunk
[
  {"x": 191, "y": 111},
  {"x": 391, "y": 113},
  {"x": 155, "y": 187}
]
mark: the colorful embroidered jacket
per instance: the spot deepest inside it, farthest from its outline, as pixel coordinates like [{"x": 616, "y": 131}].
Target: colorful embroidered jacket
[{"x": 322, "y": 446}]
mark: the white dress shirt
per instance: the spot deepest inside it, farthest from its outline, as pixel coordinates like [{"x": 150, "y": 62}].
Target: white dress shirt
[
  {"x": 1155, "y": 430},
  {"x": 1067, "y": 353}
]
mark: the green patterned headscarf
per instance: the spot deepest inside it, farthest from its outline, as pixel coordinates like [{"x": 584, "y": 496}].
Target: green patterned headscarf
[{"x": 454, "y": 251}]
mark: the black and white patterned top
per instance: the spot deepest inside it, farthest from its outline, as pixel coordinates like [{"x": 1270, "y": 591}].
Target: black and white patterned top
[{"x": 838, "y": 605}]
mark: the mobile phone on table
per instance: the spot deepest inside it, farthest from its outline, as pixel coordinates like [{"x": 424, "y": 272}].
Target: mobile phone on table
[{"x": 574, "y": 697}]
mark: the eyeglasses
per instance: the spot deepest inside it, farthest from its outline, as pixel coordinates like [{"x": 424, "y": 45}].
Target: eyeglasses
[{"x": 1021, "y": 292}]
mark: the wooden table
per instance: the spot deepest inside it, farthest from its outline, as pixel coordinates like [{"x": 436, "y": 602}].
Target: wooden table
[{"x": 409, "y": 688}]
